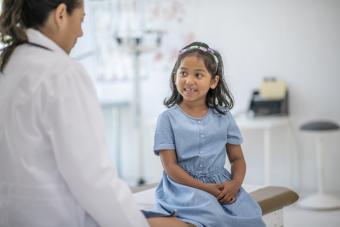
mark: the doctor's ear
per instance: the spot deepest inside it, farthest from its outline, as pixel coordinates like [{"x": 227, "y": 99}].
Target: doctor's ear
[{"x": 60, "y": 15}]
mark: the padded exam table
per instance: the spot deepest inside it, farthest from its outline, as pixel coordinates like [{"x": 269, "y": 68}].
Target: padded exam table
[{"x": 271, "y": 199}]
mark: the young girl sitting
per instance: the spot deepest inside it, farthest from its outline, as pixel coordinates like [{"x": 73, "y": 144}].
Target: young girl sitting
[{"x": 193, "y": 138}]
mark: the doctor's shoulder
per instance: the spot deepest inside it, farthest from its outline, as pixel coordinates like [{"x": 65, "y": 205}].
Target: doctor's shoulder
[
  {"x": 53, "y": 62},
  {"x": 65, "y": 68},
  {"x": 61, "y": 75}
]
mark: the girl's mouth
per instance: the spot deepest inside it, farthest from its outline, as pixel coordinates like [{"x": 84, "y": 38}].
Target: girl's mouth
[{"x": 189, "y": 91}]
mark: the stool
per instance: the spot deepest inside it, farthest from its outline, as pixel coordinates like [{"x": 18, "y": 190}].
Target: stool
[{"x": 320, "y": 200}]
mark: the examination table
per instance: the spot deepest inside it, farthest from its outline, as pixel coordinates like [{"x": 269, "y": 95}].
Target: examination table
[{"x": 271, "y": 199}]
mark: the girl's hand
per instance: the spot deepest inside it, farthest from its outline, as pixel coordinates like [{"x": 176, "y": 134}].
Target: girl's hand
[
  {"x": 228, "y": 193},
  {"x": 214, "y": 189}
]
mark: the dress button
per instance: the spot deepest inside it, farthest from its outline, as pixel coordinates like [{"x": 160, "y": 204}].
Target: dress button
[
  {"x": 200, "y": 165},
  {"x": 199, "y": 122}
]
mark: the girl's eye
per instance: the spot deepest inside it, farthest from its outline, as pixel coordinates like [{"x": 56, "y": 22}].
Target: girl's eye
[
  {"x": 183, "y": 73},
  {"x": 199, "y": 75}
]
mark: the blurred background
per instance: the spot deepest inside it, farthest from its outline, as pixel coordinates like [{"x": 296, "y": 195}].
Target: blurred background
[{"x": 130, "y": 47}]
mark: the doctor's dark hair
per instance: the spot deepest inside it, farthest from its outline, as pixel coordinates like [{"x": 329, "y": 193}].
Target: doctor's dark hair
[
  {"x": 220, "y": 98},
  {"x": 18, "y": 15}
]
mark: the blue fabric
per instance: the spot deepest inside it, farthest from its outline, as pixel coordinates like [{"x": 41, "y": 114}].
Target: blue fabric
[{"x": 200, "y": 145}]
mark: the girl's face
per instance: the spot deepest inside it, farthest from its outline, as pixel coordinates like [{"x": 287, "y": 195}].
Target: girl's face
[{"x": 193, "y": 80}]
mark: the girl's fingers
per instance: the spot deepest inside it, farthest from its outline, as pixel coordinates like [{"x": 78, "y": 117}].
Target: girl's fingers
[
  {"x": 224, "y": 197},
  {"x": 232, "y": 200},
  {"x": 227, "y": 200},
  {"x": 224, "y": 201},
  {"x": 221, "y": 195}
]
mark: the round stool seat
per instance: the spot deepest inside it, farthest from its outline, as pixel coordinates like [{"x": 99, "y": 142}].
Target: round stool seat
[
  {"x": 320, "y": 126},
  {"x": 320, "y": 200}
]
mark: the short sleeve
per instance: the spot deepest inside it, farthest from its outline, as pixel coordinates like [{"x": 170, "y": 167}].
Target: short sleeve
[
  {"x": 234, "y": 134},
  {"x": 164, "y": 136}
]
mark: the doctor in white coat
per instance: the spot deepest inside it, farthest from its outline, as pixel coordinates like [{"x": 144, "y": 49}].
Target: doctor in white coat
[{"x": 54, "y": 167}]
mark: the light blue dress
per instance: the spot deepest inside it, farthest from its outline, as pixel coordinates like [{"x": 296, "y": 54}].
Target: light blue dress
[{"x": 200, "y": 145}]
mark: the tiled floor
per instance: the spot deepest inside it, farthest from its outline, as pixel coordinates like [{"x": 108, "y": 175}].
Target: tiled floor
[{"x": 297, "y": 217}]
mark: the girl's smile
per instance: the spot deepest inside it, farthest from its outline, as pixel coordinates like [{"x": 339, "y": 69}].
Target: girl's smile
[{"x": 189, "y": 91}]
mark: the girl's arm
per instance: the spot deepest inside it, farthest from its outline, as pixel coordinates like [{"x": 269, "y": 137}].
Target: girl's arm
[
  {"x": 238, "y": 171},
  {"x": 238, "y": 164},
  {"x": 169, "y": 162}
]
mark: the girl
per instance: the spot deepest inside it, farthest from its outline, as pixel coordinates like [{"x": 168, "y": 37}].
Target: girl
[
  {"x": 193, "y": 138},
  {"x": 54, "y": 167}
]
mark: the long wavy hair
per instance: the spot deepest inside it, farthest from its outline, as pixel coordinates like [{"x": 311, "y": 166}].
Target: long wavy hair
[
  {"x": 220, "y": 98},
  {"x": 18, "y": 15}
]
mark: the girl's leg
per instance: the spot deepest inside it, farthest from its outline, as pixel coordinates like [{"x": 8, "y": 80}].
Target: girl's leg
[{"x": 167, "y": 222}]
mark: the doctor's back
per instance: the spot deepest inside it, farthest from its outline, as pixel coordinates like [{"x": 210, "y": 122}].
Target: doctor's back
[{"x": 54, "y": 167}]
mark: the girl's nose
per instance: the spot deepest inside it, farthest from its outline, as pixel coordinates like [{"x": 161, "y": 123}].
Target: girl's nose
[{"x": 189, "y": 80}]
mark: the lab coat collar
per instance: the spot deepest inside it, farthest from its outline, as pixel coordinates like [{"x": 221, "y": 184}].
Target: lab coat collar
[{"x": 35, "y": 36}]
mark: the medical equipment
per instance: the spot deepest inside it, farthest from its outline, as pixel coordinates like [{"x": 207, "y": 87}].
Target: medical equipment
[{"x": 270, "y": 99}]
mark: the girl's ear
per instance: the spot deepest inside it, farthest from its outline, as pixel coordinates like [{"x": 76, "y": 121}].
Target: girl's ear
[{"x": 214, "y": 82}]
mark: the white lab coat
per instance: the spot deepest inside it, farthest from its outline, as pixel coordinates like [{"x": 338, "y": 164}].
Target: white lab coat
[{"x": 54, "y": 167}]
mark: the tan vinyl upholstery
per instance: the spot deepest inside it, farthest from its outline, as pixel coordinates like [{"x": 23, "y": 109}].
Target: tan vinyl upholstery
[{"x": 272, "y": 198}]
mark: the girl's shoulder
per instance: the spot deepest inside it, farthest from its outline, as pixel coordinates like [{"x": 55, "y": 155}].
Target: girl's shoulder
[
  {"x": 167, "y": 113},
  {"x": 225, "y": 112},
  {"x": 227, "y": 116}
]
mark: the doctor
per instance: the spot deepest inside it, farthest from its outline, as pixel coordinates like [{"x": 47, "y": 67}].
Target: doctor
[{"x": 54, "y": 168}]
